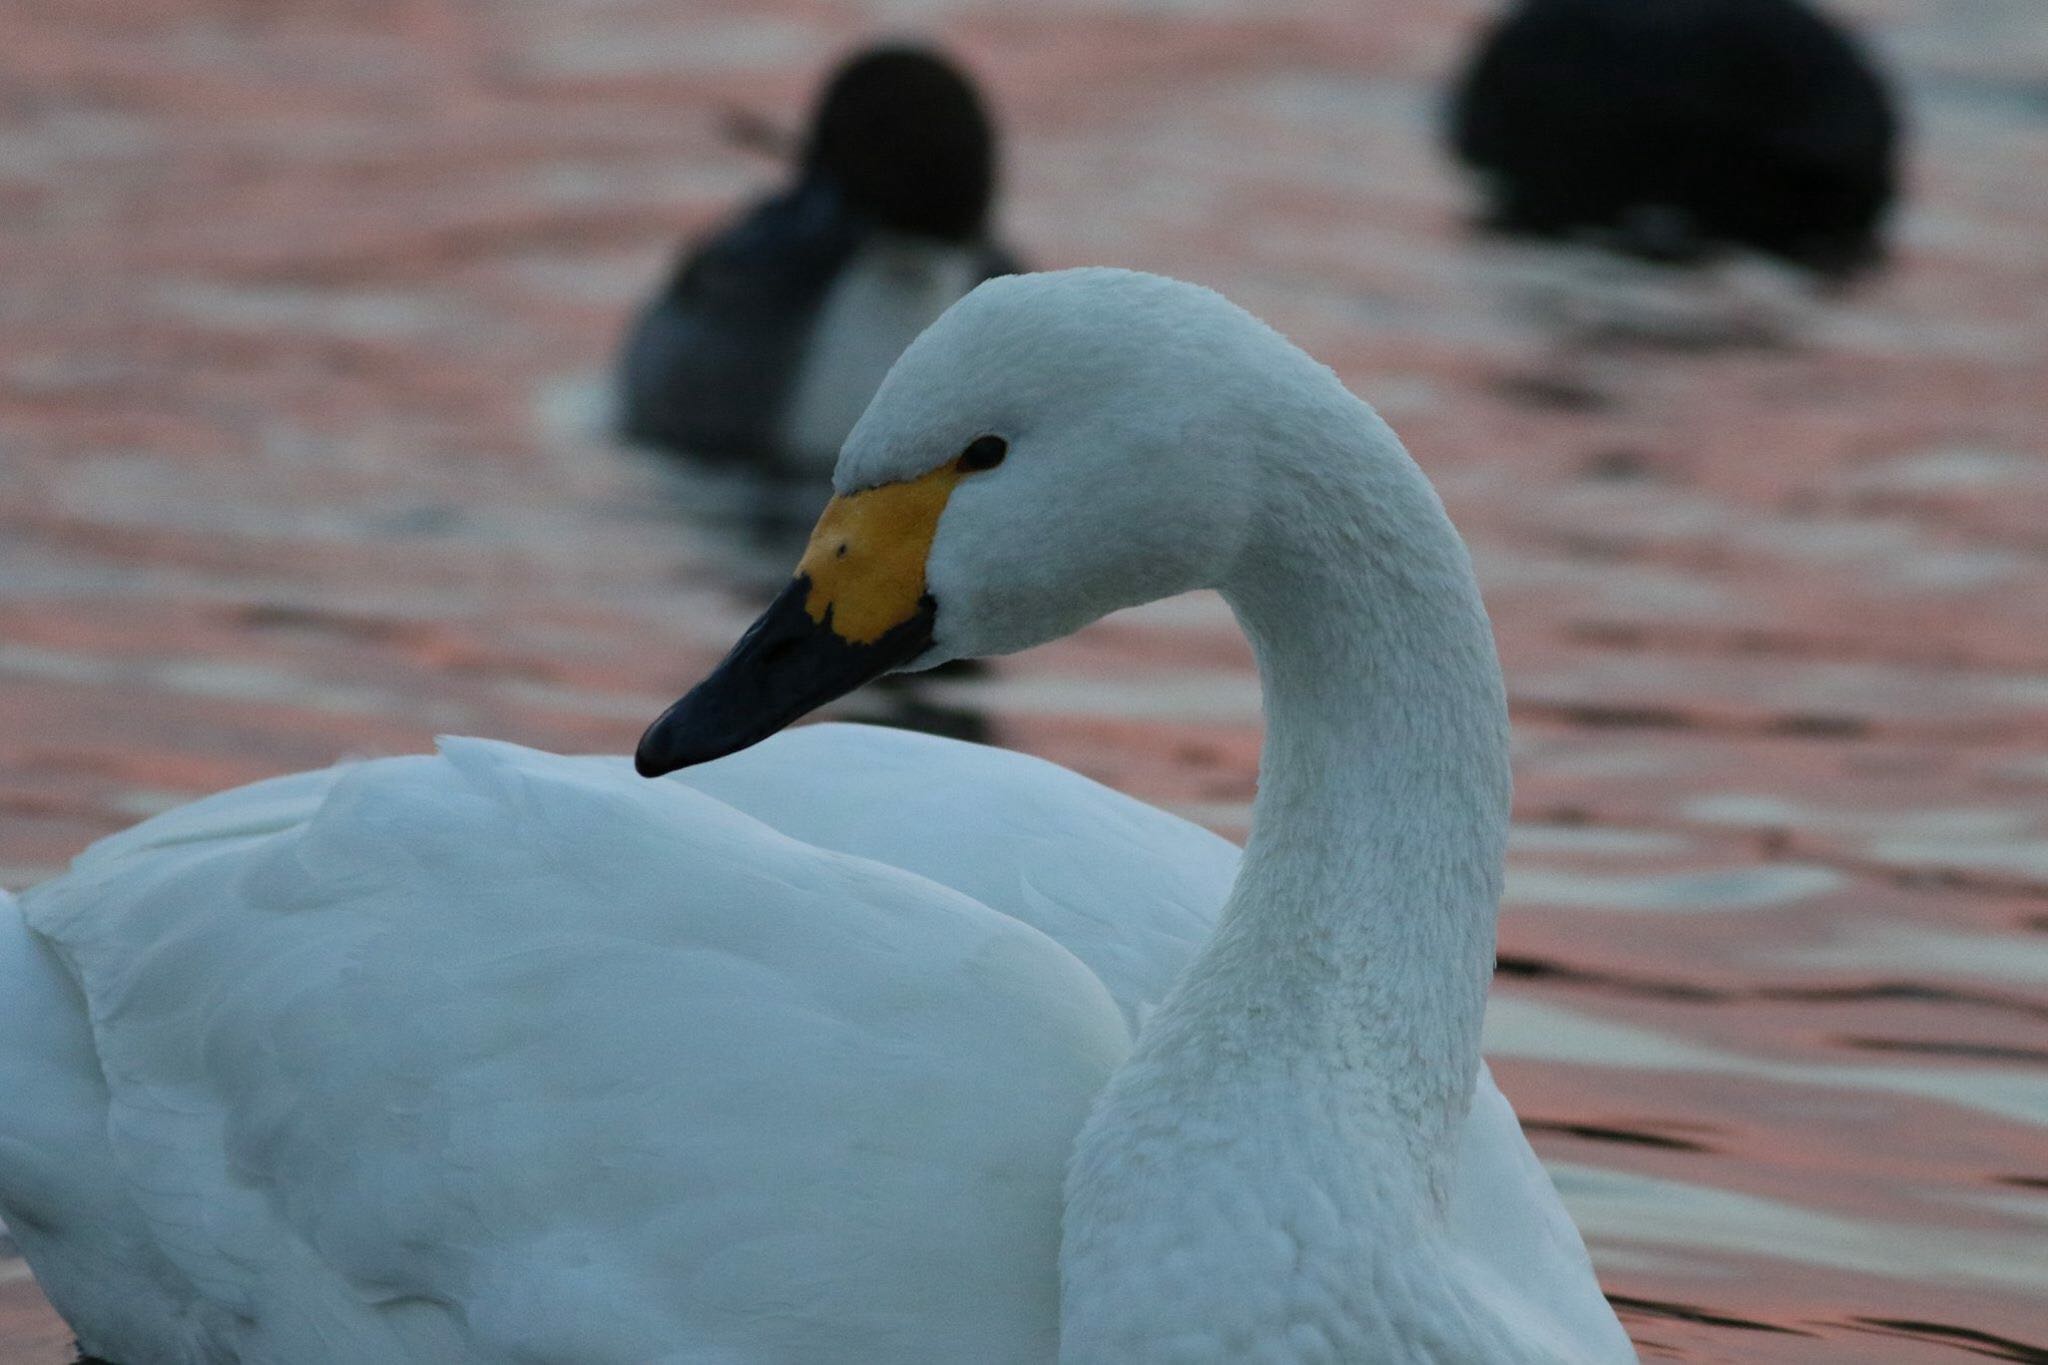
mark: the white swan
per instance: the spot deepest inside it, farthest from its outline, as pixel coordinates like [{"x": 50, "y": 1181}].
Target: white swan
[{"x": 497, "y": 1056}]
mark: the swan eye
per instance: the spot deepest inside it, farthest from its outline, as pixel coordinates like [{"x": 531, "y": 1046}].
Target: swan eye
[{"x": 983, "y": 452}]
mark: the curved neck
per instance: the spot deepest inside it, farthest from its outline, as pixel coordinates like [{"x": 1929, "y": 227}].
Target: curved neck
[
  {"x": 1365, "y": 907},
  {"x": 1327, "y": 1037}
]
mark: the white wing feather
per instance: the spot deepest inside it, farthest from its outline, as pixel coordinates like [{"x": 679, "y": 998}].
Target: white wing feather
[{"x": 498, "y": 1056}]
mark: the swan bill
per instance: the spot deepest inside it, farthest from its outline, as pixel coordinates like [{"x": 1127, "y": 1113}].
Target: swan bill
[
  {"x": 786, "y": 666},
  {"x": 866, "y": 559},
  {"x": 856, "y": 609}
]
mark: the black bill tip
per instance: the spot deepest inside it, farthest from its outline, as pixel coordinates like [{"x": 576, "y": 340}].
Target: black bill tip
[{"x": 783, "y": 668}]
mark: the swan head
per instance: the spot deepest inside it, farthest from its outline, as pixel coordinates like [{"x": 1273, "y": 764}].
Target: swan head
[{"x": 1053, "y": 448}]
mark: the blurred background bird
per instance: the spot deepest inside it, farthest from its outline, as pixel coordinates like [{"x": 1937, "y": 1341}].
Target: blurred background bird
[
  {"x": 1667, "y": 129},
  {"x": 770, "y": 337}
]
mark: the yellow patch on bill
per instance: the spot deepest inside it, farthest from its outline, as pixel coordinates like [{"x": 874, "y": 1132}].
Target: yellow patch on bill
[{"x": 866, "y": 558}]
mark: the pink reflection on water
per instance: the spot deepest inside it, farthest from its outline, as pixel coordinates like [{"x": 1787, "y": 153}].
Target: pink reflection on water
[{"x": 300, "y": 395}]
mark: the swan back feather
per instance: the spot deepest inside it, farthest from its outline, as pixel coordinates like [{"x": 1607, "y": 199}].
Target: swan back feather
[{"x": 488, "y": 1055}]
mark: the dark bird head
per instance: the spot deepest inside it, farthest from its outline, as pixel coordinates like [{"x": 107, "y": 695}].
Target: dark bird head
[{"x": 903, "y": 135}]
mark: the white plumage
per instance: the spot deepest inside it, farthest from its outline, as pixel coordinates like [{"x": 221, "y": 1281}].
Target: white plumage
[{"x": 498, "y": 1056}]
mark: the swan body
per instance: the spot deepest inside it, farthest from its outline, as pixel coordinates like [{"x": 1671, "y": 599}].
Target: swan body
[
  {"x": 375, "y": 849},
  {"x": 409, "y": 1075},
  {"x": 771, "y": 335},
  {"x": 853, "y": 1045}
]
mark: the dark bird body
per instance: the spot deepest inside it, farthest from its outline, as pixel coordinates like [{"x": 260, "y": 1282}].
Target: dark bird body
[
  {"x": 1666, "y": 128},
  {"x": 772, "y": 334}
]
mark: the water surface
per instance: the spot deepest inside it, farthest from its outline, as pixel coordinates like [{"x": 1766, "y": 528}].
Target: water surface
[{"x": 301, "y": 391}]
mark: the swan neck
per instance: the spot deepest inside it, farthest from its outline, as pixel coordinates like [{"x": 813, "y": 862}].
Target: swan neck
[
  {"x": 1304, "y": 1083},
  {"x": 1362, "y": 922}
]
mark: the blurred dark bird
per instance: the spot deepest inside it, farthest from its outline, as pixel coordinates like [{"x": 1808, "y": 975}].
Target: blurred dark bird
[
  {"x": 771, "y": 336},
  {"x": 1668, "y": 128}
]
